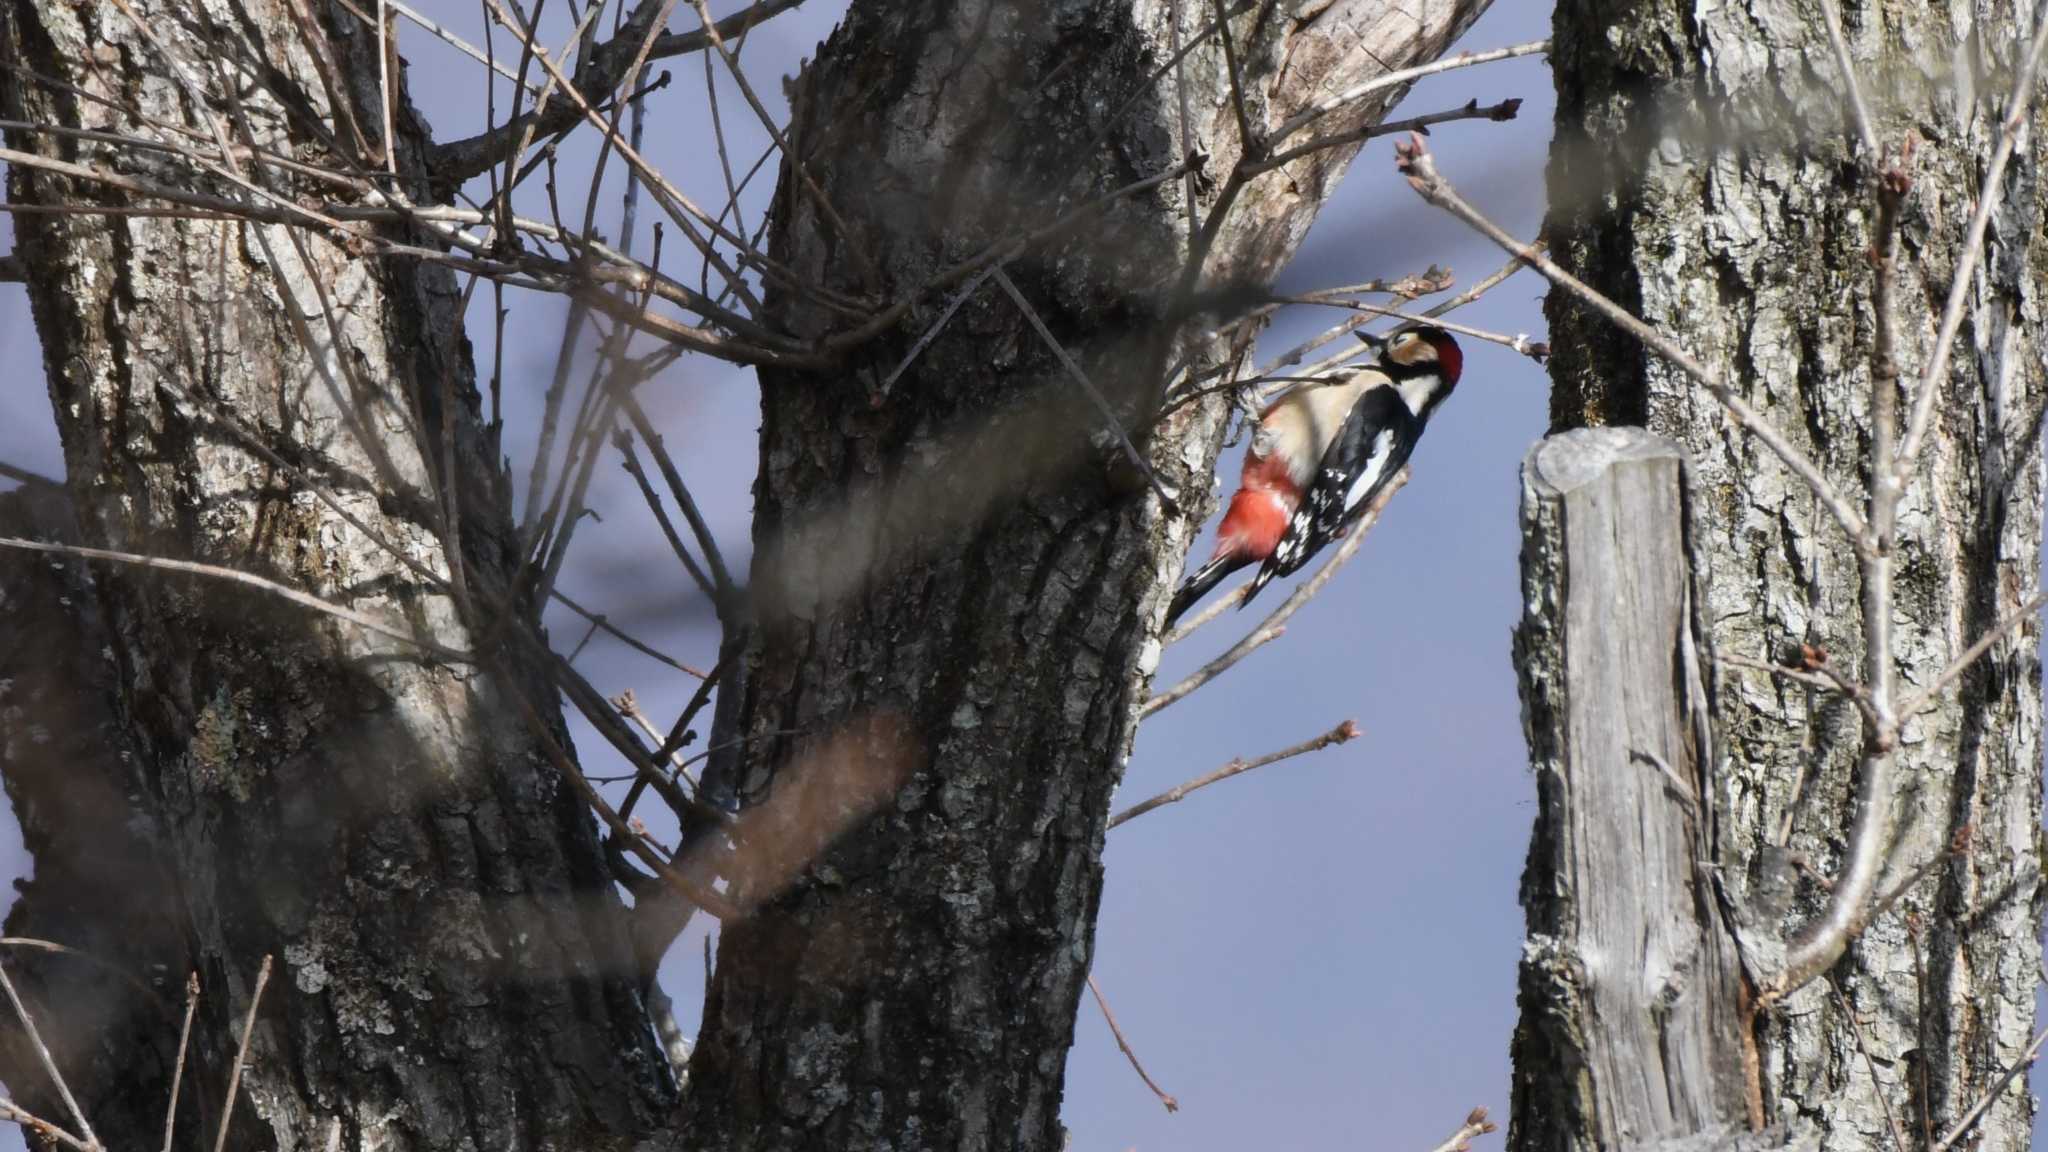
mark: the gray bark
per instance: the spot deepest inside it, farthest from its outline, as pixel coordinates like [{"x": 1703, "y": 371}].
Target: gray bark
[
  {"x": 1701, "y": 176},
  {"x": 452, "y": 963},
  {"x": 956, "y": 599},
  {"x": 1633, "y": 1027}
]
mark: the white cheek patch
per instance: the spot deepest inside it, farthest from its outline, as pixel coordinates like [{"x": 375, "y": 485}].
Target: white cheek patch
[
  {"x": 1416, "y": 391},
  {"x": 1362, "y": 486}
]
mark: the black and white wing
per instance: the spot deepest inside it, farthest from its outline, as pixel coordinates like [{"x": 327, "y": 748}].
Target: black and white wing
[{"x": 1373, "y": 444}]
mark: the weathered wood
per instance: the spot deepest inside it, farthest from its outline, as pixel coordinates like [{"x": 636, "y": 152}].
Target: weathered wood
[{"x": 1631, "y": 992}]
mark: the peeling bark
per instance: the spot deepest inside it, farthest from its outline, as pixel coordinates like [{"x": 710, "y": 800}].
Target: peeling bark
[
  {"x": 951, "y": 579},
  {"x": 453, "y": 968},
  {"x": 1701, "y": 176}
]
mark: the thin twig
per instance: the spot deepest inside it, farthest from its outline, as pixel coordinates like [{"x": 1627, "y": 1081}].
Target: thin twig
[
  {"x": 1471, "y": 110},
  {"x": 1991, "y": 1094},
  {"x": 458, "y": 160},
  {"x": 1988, "y": 198},
  {"x": 1324, "y": 107},
  {"x": 1476, "y": 1124},
  {"x": 1863, "y": 1046},
  {"x": 220, "y": 1139},
  {"x": 1859, "y": 112},
  {"x": 35, "y": 1038},
  {"x": 849, "y": 241},
  {"x": 1821, "y": 675},
  {"x": 1172, "y": 1105},
  {"x": 603, "y": 624},
  {"x": 938, "y": 326},
  {"x": 1520, "y": 343},
  {"x": 303, "y": 599},
  {"x": 446, "y": 37},
  {"x": 1271, "y": 626},
  {"x": 1957, "y": 844},
  {"x": 1250, "y": 143},
  {"x": 1073, "y": 368},
  {"x": 1970, "y": 655},
  {"x": 178, "y": 1067},
  {"x": 723, "y": 589},
  {"x": 1348, "y": 730},
  {"x": 9, "y": 1110},
  {"x": 386, "y": 46},
  {"x": 1215, "y": 608}
]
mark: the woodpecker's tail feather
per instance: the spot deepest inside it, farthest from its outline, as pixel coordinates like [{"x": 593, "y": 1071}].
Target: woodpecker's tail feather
[{"x": 1200, "y": 584}]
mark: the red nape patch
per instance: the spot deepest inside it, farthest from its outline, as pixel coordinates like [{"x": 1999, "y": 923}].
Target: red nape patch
[
  {"x": 1253, "y": 526},
  {"x": 1449, "y": 357}
]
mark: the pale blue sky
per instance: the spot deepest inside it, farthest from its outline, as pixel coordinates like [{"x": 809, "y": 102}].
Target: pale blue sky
[{"x": 1318, "y": 956}]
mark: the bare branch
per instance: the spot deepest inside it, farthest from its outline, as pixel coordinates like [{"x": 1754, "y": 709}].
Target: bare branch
[
  {"x": 1414, "y": 161},
  {"x": 227, "y": 1112},
  {"x": 1348, "y": 730},
  {"x": 386, "y": 46},
  {"x": 178, "y": 1068},
  {"x": 35, "y": 1038},
  {"x": 24, "y": 476},
  {"x": 1824, "y": 677},
  {"x": 722, "y": 589},
  {"x": 1172, "y": 1105},
  {"x": 704, "y": 898}
]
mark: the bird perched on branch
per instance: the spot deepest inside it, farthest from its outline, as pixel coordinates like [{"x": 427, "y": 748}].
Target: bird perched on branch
[{"x": 1320, "y": 455}]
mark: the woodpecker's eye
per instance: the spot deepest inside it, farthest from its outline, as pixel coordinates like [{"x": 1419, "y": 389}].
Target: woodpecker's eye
[{"x": 1410, "y": 348}]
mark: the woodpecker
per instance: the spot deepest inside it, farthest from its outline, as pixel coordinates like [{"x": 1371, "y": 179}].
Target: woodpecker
[{"x": 1321, "y": 453}]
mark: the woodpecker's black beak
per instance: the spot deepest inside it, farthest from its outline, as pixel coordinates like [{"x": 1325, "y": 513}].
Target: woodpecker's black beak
[{"x": 1371, "y": 340}]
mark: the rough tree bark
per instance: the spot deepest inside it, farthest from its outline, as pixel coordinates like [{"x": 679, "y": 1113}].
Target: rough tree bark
[
  {"x": 452, "y": 969},
  {"x": 1700, "y": 175},
  {"x": 956, "y": 599}
]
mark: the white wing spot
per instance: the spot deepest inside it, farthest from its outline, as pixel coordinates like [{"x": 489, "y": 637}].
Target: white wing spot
[{"x": 1376, "y": 464}]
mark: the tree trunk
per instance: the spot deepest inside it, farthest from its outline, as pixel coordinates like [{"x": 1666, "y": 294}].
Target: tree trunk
[
  {"x": 452, "y": 968},
  {"x": 957, "y": 597},
  {"x": 1701, "y": 176}
]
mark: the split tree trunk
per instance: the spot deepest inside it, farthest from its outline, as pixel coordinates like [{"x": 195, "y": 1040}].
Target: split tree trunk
[
  {"x": 957, "y": 604},
  {"x": 452, "y": 970},
  {"x": 1633, "y": 1023},
  {"x": 1700, "y": 176}
]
